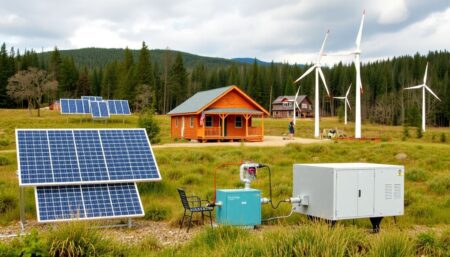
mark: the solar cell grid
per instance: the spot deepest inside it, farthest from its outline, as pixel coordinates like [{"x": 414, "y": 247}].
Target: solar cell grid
[
  {"x": 118, "y": 105},
  {"x": 64, "y": 106},
  {"x": 112, "y": 107},
  {"x": 72, "y": 106},
  {"x": 84, "y": 156},
  {"x": 125, "y": 107},
  {"x": 88, "y": 201}
]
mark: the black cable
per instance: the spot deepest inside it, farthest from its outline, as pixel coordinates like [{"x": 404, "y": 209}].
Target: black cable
[{"x": 270, "y": 188}]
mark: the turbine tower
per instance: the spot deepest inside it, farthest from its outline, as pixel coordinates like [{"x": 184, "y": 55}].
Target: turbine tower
[
  {"x": 345, "y": 98},
  {"x": 296, "y": 104},
  {"x": 424, "y": 86},
  {"x": 318, "y": 70},
  {"x": 358, "y": 90}
]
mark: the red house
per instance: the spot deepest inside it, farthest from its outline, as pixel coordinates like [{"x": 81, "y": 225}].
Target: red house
[{"x": 224, "y": 113}]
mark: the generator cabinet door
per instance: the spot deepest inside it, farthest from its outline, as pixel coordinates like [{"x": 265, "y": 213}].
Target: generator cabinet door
[
  {"x": 389, "y": 191},
  {"x": 346, "y": 194},
  {"x": 366, "y": 184}
]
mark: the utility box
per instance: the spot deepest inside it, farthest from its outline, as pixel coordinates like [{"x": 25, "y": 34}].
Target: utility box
[
  {"x": 240, "y": 207},
  {"x": 338, "y": 191}
]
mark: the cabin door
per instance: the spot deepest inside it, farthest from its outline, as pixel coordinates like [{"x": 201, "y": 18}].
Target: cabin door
[
  {"x": 182, "y": 126},
  {"x": 224, "y": 128}
]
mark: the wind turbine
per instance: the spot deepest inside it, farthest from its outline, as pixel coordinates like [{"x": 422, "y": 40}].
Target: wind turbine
[
  {"x": 345, "y": 98},
  {"x": 296, "y": 104},
  {"x": 424, "y": 86},
  {"x": 318, "y": 70},
  {"x": 358, "y": 90}
]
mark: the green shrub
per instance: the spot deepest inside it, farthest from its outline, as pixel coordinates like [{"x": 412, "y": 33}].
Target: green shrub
[
  {"x": 419, "y": 133},
  {"x": 440, "y": 184},
  {"x": 157, "y": 212},
  {"x": 428, "y": 244},
  {"x": 191, "y": 179},
  {"x": 446, "y": 202},
  {"x": 7, "y": 250},
  {"x": 149, "y": 244},
  {"x": 394, "y": 244},
  {"x": 4, "y": 161},
  {"x": 157, "y": 188},
  {"x": 405, "y": 133},
  {"x": 147, "y": 121},
  {"x": 223, "y": 235},
  {"x": 79, "y": 239},
  {"x": 33, "y": 246},
  {"x": 416, "y": 175},
  {"x": 174, "y": 174},
  {"x": 7, "y": 202},
  {"x": 4, "y": 141},
  {"x": 443, "y": 138},
  {"x": 421, "y": 211}
]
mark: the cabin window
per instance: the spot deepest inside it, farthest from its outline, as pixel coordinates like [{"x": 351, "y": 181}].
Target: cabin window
[
  {"x": 285, "y": 104},
  {"x": 176, "y": 122},
  {"x": 304, "y": 106},
  {"x": 238, "y": 122},
  {"x": 208, "y": 121},
  {"x": 191, "y": 124}
]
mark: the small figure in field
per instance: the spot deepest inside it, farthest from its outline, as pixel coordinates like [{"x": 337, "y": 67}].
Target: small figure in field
[{"x": 291, "y": 130}]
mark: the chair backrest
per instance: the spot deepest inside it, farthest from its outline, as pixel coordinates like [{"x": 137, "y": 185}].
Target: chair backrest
[{"x": 183, "y": 198}]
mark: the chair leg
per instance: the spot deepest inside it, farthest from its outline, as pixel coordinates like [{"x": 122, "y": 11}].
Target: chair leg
[
  {"x": 210, "y": 219},
  {"x": 190, "y": 223},
  {"x": 182, "y": 220},
  {"x": 203, "y": 219}
]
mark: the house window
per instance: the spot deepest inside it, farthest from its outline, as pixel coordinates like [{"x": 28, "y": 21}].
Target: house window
[
  {"x": 304, "y": 106},
  {"x": 285, "y": 104},
  {"x": 191, "y": 122},
  {"x": 208, "y": 121},
  {"x": 238, "y": 122},
  {"x": 176, "y": 122}
]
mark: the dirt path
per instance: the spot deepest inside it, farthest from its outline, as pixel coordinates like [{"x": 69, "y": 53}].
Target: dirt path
[{"x": 268, "y": 141}]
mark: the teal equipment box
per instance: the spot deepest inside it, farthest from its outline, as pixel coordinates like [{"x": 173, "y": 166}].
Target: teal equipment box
[{"x": 240, "y": 207}]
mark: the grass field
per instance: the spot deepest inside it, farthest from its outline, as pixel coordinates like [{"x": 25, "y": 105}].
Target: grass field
[{"x": 424, "y": 229}]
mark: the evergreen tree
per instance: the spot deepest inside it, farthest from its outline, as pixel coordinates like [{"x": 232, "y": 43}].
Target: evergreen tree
[{"x": 178, "y": 81}]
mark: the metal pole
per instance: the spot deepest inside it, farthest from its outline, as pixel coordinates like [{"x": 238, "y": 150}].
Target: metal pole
[
  {"x": 129, "y": 223},
  {"x": 22, "y": 208}
]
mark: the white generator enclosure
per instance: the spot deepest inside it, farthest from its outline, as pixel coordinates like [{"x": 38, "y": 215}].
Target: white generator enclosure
[{"x": 337, "y": 191}]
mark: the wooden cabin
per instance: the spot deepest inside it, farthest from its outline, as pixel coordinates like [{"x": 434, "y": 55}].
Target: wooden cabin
[
  {"x": 283, "y": 107},
  {"x": 222, "y": 114}
]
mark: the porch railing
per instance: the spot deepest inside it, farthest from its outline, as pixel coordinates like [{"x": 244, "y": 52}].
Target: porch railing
[
  {"x": 254, "y": 131},
  {"x": 213, "y": 131}
]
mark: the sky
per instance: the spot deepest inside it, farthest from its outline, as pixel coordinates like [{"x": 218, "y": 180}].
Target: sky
[{"x": 279, "y": 30}]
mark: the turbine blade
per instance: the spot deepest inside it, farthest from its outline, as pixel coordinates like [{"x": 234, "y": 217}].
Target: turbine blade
[
  {"x": 348, "y": 103},
  {"x": 306, "y": 73},
  {"x": 425, "y": 76},
  {"x": 414, "y": 87},
  {"x": 429, "y": 90},
  {"x": 323, "y": 45},
  {"x": 297, "y": 105},
  {"x": 348, "y": 91},
  {"x": 339, "y": 97},
  {"x": 358, "y": 38},
  {"x": 323, "y": 80}
]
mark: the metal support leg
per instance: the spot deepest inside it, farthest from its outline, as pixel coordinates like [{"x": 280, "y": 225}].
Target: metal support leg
[
  {"x": 22, "y": 208},
  {"x": 129, "y": 223},
  {"x": 190, "y": 223}
]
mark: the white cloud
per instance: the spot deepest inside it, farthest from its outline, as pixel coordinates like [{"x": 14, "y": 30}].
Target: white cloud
[{"x": 390, "y": 11}]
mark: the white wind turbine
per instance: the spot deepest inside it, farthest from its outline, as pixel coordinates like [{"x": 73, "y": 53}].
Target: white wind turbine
[
  {"x": 424, "y": 86},
  {"x": 345, "y": 98},
  {"x": 318, "y": 70},
  {"x": 358, "y": 90},
  {"x": 296, "y": 104}
]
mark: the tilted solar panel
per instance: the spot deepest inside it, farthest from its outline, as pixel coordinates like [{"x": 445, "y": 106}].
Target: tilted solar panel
[
  {"x": 74, "y": 106},
  {"x": 99, "y": 109},
  {"x": 84, "y": 156},
  {"x": 118, "y": 105},
  {"x": 58, "y": 203},
  {"x": 64, "y": 106},
  {"x": 125, "y": 107},
  {"x": 112, "y": 107}
]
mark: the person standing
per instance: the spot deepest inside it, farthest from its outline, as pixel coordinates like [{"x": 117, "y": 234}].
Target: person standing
[{"x": 291, "y": 130}]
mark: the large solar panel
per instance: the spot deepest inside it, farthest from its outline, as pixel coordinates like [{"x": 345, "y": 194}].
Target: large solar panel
[
  {"x": 99, "y": 109},
  {"x": 84, "y": 156},
  {"x": 92, "y": 98},
  {"x": 58, "y": 203},
  {"x": 74, "y": 106},
  {"x": 118, "y": 107}
]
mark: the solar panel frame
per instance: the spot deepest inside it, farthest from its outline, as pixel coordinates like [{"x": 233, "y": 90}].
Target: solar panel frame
[
  {"x": 82, "y": 213},
  {"x": 118, "y": 107},
  {"x": 64, "y": 102},
  {"x": 154, "y": 175},
  {"x": 99, "y": 109}
]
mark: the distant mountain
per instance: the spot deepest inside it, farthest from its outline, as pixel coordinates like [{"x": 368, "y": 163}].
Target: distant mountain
[
  {"x": 99, "y": 57},
  {"x": 250, "y": 61}
]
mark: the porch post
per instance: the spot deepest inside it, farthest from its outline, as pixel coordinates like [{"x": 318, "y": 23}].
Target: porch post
[
  {"x": 222, "y": 126},
  {"x": 203, "y": 128},
  {"x": 246, "y": 116},
  {"x": 262, "y": 125}
]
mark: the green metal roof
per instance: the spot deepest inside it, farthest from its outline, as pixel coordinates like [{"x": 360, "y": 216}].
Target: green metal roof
[
  {"x": 199, "y": 100},
  {"x": 232, "y": 110}
]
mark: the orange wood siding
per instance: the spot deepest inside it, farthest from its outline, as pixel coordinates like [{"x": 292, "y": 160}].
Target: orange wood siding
[{"x": 233, "y": 100}]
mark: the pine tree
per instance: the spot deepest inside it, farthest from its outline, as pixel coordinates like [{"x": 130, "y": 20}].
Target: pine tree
[{"x": 178, "y": 81}]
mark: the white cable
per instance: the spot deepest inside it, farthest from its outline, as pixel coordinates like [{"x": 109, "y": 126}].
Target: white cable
[{"x": 281, "y": 217}]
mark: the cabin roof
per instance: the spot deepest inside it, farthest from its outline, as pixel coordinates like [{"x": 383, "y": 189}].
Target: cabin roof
[
  {"x": 232, "y": 111},
  {"x": 289, "y": 98},
  {"x": 201, "y": 100}
]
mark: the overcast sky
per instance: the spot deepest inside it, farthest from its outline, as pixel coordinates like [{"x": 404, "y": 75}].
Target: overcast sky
[{"x": 279, "y": 30}]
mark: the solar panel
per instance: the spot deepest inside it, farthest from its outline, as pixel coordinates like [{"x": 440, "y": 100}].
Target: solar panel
[
  {"x": 92, "y": 98},
  {"x": 118, "y": 107},
  {"x": 99, "y": 109},
  {"x": 84, "y": 156},
  {"x": 74, "y": 106},
  {"x": 58, "y": 203}
]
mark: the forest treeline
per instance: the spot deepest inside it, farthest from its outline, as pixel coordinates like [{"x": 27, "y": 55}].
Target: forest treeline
[{"x": 165, "y": 78}]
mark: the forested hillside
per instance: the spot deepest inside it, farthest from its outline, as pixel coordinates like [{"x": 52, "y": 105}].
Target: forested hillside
[{"x": 164, "y": 78}]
